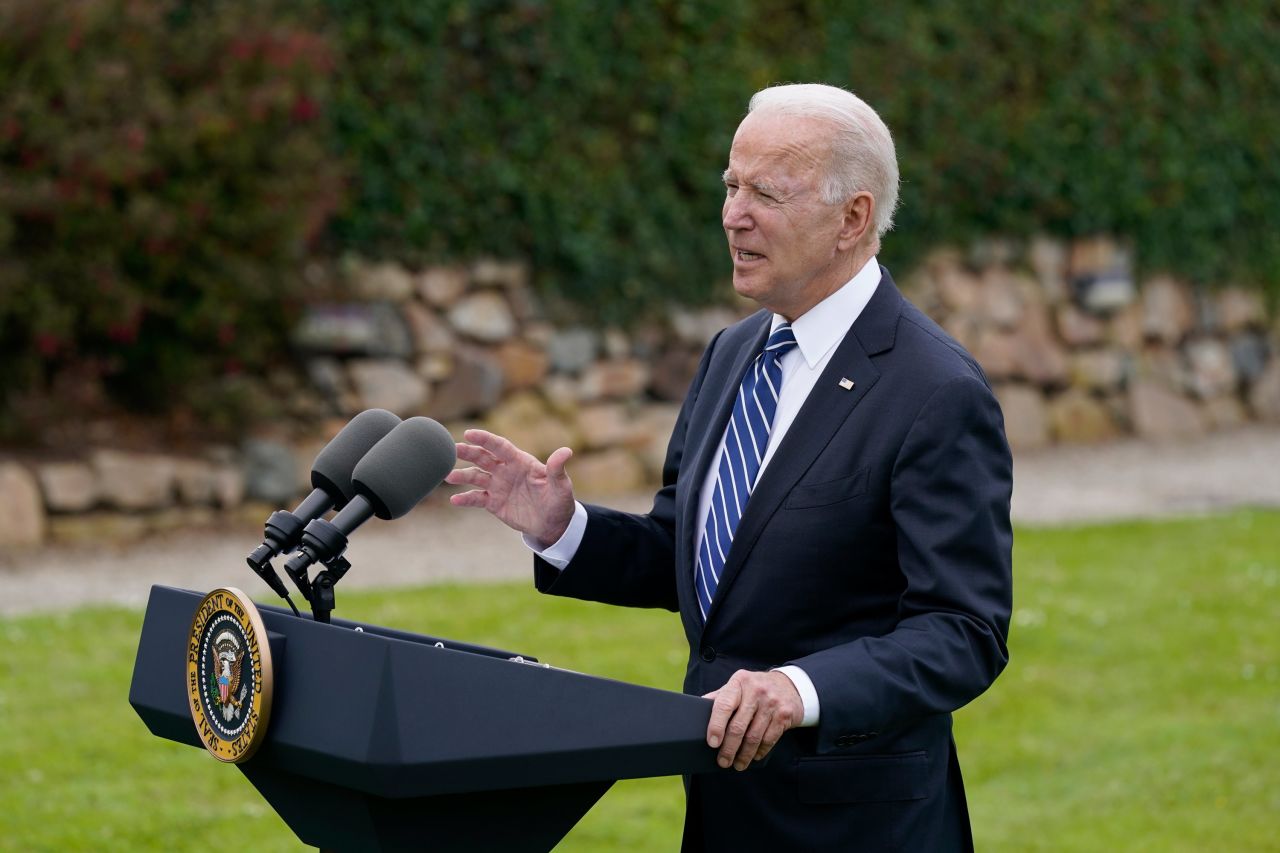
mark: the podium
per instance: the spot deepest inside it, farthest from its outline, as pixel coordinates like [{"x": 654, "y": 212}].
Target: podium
[{"x": 386, "y": 740}]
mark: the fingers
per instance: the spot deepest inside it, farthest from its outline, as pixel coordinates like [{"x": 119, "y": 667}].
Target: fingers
[
  {"x": 497, "y": 446},
  {"x": 749, "y": 749},
  {"x": 749, "y": 715},
  {"x": 476, "y": 455},
  {"x": 515, "y": 487},
  {"x": 771, "y": 736},
  {"x": 726, "y": 701},
  {"x": 488, "y": 451},
  {"x": 475, "y": 498},
  {"x": 556, "y": 462},
  {"x": 468, "y": 477},
  {"x": 739, "y": 726}
]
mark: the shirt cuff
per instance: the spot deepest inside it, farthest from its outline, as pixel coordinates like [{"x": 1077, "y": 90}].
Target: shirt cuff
[
  {"x": 561, "y": 552},
  {"x": 808, "y": 694}
]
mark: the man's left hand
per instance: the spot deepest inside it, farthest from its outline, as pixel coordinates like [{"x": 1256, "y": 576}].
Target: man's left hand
[{"x": 751, "y": 712}]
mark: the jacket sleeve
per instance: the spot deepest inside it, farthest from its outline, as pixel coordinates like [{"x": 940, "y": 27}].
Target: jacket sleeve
[
  {"x": 624, "y": 558},
  {"x": 950, "y": 492}
]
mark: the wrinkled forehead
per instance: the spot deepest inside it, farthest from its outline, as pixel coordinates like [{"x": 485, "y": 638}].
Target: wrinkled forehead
[{"x": 783, "y": 146}]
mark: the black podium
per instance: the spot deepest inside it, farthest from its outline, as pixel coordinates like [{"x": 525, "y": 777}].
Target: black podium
[{"x": 385, "y": 740}]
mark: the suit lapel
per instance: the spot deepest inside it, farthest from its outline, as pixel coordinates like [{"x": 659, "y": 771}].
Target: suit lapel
[
  {"x": 709, "y": 441},
  {"x": 828, "y": 406}
]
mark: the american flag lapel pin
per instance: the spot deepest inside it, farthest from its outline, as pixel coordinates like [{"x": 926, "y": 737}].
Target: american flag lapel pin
[{"x": 846, "y": 384}]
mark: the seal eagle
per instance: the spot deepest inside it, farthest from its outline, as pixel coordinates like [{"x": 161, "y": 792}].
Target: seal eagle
[{"x": 227, "y": 659}]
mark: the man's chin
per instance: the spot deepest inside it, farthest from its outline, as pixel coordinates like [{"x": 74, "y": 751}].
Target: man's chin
[{"x": 747, "y": 285}]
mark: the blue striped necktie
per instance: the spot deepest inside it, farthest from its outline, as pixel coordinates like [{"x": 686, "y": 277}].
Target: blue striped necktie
[{"x": 745, "y": 441}]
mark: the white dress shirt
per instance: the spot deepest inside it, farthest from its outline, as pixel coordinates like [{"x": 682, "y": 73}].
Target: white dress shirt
[{"x": 817, "y": 332}]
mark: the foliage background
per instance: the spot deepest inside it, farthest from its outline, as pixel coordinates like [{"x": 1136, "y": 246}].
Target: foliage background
[
  {"x": 591, "y": 138},
  {"x": 162, "y": 172},
  {"x": 166, "y": 165}
]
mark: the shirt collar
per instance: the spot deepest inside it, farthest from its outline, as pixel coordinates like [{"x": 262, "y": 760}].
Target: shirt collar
[{"x": 825, "y": 324}]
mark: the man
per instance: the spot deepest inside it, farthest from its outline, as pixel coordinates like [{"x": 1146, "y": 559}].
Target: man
[{"x": 833, "y": 526}]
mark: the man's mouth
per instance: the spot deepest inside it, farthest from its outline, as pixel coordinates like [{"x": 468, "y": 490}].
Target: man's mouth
[{"x": 745, "y": 256}]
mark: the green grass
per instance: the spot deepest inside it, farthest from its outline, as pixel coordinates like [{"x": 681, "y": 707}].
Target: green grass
[{"x": 1141, "y": 710}]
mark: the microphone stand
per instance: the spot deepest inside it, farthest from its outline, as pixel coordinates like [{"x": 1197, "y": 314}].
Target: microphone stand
[
  {"x": 322, "y": 542},
  {"x": 322, "y": 597}
]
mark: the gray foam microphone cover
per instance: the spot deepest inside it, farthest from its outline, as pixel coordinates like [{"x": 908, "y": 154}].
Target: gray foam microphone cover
[
  {"x": 335, "y": 464},
  {"x": 405, "y": 466}
]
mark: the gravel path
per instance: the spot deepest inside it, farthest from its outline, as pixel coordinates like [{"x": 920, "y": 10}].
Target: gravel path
[{"x": 436, "y": 542}]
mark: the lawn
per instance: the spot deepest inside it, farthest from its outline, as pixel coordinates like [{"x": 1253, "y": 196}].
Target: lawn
[{"x": 1141, "y": 710}]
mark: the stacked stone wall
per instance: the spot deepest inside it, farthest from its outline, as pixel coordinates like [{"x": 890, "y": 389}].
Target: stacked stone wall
[{"x": 1078, "y": 348}]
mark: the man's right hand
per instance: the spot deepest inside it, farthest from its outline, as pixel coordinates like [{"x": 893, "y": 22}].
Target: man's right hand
[{"x": 520, "y": 491}]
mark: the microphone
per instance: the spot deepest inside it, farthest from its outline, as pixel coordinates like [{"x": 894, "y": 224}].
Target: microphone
[
  {"x": 399, "y": 471},
  {"x": 331, "y": 482}
]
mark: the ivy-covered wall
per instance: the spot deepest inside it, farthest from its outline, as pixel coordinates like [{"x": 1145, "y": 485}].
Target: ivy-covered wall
[
  {"x": 167, "y": 166},
  {"x": 589, "y": 137}
]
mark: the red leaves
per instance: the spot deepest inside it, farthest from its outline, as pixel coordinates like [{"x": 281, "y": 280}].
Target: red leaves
[
  {"x": 305, "y": 109},
  {"x": 125, "y": 332},
  {"x": 134, "y": 137},
  {"x": 47, "y": 344},
  {"x": 285, "y": 50},
  {"x": 156, "y": 175}
]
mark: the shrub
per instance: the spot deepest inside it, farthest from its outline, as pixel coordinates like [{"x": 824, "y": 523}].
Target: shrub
[{"x": 162, "y": 172}]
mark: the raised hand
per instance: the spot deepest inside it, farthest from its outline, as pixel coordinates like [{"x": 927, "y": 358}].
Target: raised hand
[{"x": 520, "y": 491}]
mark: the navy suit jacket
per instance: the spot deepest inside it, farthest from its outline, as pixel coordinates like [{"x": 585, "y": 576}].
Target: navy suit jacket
[{"x": 874, "y": 553}]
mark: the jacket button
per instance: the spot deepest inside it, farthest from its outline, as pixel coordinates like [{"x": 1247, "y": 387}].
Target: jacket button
[{"x": 708, "y": 654}]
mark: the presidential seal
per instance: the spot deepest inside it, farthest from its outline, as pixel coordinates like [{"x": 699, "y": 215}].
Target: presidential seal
[{"x": 229, "y": 675}]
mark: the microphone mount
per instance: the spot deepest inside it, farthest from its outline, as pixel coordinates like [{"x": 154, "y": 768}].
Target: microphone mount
[
  {"x": 322, "y": 542},
  {"x": 282, "y": 532},
  {"x": 322, "y": 597},
  {"x": 281, "y": 528}
]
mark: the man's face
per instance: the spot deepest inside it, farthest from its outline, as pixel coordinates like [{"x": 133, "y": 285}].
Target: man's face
[{"x": 782, "y": 237}]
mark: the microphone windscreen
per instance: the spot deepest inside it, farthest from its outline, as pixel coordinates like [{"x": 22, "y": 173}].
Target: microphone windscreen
[
  {"x": 405, "y": 466},
  {"x": 334, "y": 465}
]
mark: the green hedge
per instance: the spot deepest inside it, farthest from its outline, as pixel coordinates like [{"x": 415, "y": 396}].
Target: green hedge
[
  {"x": 1157, "y": 121},
  {"x": 589, "y": 136},
  {"x": 165, "y": 165}
]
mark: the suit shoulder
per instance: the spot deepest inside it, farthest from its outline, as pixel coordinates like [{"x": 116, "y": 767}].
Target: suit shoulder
[{"x": 940, "y": 356}]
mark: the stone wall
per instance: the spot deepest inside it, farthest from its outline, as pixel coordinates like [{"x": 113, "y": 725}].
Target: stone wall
[
  {"x": 471, "y": 346},
  {"x": 1078, "y": 348},
  {"x": 1081, "y": 351},
  {"x": 468, "y": 346}
]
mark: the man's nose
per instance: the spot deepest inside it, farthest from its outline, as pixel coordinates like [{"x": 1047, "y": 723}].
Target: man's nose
[{"x": 736, "y": 215}]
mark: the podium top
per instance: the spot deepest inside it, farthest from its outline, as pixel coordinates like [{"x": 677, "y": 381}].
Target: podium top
[{"x": 398, "y": 714}]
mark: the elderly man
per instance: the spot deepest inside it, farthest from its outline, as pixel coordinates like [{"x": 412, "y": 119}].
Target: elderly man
[{"x": 833, "y": 526}]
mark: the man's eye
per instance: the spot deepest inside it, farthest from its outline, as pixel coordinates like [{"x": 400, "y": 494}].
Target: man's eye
[{"x": 731, "y": 189}]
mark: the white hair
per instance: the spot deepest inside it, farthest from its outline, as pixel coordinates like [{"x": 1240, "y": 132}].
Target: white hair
[{"x": 862, "y": 153}]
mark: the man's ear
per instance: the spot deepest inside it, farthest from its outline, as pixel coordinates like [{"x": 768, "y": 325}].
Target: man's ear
[{"x": 859, "y": 212}]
